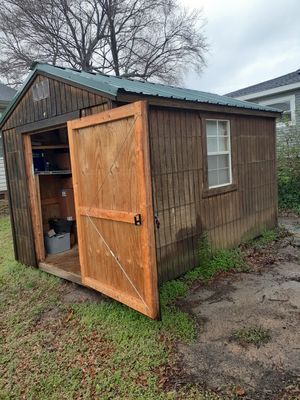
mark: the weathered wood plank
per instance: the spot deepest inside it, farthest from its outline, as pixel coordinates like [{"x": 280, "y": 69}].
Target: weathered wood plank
[
  {"x": 63, "y": 98},
  {"x": 110, "y": 151},
  {"x": 18, "y": 193}
]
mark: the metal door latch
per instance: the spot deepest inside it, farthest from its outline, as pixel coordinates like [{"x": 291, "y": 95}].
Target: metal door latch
[{"x": 138, "y": 219}]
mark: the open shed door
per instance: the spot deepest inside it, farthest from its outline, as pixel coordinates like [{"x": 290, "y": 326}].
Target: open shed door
[{"x": 112, "y": 187}]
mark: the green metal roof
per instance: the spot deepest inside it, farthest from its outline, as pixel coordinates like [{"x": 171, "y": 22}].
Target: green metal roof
[{"x": 113, "y": 85}]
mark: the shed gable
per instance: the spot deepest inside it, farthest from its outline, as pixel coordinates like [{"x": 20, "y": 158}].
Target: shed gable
[{"x": 63, "y": 98}]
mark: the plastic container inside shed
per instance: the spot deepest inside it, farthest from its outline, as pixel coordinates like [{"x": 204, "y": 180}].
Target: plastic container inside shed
[{"x": 58, "y": 243}]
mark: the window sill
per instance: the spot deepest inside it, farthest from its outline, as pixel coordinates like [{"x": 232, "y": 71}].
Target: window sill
[{"x": 219, "y": 190}]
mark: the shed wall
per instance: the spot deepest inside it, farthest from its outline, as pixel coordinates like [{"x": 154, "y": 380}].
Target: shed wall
[
  {"x": 18, "y": 196},
  {"x": 180, "y": 203},
  {"x": 63, "y": 100}
]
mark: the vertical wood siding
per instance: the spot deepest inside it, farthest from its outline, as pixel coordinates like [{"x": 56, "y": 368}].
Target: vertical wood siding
[
  {"x": 63, "y": 99},
  {"x": 18, "y": 196},
  {"x": 179, "y": 202}
]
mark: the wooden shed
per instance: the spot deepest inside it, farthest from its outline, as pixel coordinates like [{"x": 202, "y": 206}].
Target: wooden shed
[{"x": 151, "y": 168}]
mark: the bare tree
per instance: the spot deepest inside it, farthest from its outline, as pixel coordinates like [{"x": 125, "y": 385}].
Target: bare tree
[
  {"x": 63, "y": 32},
  {"x": 133, "y": 38}
]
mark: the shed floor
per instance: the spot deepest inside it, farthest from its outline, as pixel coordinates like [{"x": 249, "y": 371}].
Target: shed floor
[{"x": 66, "y": 265}]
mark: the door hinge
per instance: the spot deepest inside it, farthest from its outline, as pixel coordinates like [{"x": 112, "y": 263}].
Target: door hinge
[{"x": 138, "y": 219}]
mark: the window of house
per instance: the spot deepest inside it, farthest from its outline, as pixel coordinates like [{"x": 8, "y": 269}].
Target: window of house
[
  {"x": 1, "y": 147},
  {"x": 218, "y": 153},
  {"x": 287, "y": 105}
]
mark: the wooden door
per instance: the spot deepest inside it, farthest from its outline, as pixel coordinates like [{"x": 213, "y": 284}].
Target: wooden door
[{"x": 112, "y": 187}]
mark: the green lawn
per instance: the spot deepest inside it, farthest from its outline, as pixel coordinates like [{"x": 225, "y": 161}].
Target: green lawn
[{"x": 53, "y": 350}]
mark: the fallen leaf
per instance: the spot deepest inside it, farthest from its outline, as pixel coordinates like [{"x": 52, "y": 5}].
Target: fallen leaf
[{"x": 240, "y": 391}]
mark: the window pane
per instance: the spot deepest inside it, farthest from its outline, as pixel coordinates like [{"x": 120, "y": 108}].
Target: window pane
[
  {"x": 212, "y": 145},
  {"x": 223, "y": 161},
  {"x": 223, "y": 128},
  {"x": 285, "y": 117},
  {"x": 1, "y": 147},
  {"x": 212, "y": 178},
  {"x": 283, "y": 106},
  {"x": 40, "y": 90},
  {"x": 218, "y": 143},
  {"x": 211, "y": 128},
  {"x": 212, "y": 162},
  {"x": 223, "y": 143},
  {"x": 224, "y": 176}
]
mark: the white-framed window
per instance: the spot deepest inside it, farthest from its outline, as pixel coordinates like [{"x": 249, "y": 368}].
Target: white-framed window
[
  {"x": 218, "y": 153},
  {"x": 287, "y": 104}
]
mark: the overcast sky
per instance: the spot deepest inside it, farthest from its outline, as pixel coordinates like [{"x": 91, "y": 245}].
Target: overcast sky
[{"x": 250, "y": 42}]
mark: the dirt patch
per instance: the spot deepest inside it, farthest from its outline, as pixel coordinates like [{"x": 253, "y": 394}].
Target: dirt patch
[
  {"x": 267, "y": 297},
  {"x": 292, "y": 224},
  {"x": 74, "y": 294},
  {"x": 49, "y": 316}
]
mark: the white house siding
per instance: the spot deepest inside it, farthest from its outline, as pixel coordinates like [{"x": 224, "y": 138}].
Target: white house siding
[
  {"x": 2, "y": 176},
  {"x": 281, "y": 129}
]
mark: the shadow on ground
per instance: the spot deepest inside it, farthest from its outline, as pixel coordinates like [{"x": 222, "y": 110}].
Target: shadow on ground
[{"x": 268, "y": 298}]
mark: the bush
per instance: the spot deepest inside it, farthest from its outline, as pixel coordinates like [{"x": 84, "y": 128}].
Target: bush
[{"x": 288, "y": 155}]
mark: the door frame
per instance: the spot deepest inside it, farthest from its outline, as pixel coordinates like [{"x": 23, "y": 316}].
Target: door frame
[{"x": 34, "y": 192}]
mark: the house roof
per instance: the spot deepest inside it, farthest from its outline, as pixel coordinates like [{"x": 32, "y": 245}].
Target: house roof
[
  {"x": 112, "y": 86},
  {"x": 288, "y": 79},
  {"x": 6, "y": 93}
]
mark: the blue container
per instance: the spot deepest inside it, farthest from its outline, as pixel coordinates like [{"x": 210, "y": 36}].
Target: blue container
[{"x": 38, "y": 160}]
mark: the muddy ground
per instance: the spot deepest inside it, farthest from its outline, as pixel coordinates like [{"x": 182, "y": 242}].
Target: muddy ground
[{"x": 268, "y": 296}]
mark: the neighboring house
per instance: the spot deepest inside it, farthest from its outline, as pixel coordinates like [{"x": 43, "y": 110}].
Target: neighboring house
[
  {"x": 282, "y": 93},
  {"x": 6, "y": 95}
]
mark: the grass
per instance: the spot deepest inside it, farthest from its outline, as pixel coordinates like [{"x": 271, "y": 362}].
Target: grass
[
  {"x": 268, "y": 236},
  {"x": 50, "y": 349},
  {"x": 253, "y": 335},
  {"x": 212, "y": 261}
]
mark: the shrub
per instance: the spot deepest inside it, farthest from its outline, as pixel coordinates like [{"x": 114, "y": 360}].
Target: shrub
[{"x": 288, "y": 155}]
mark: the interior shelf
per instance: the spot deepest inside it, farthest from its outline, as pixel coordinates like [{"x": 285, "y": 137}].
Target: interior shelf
[
  {"x": 50, "y": 147},
  {"x": 62, "y": 172}
]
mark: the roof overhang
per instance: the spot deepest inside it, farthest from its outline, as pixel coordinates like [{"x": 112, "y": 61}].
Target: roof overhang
[{"x": 126, "y": 97}]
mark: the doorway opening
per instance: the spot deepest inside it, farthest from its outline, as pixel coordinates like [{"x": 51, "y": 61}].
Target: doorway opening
[{"x": 49, "y": 172}]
